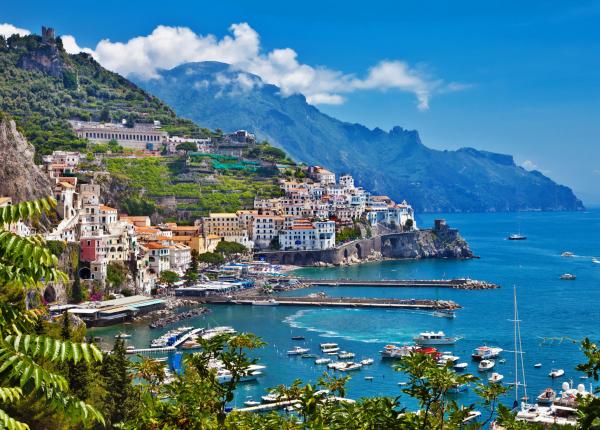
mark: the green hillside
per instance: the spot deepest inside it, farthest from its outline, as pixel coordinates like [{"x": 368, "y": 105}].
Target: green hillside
[{"x": 42, "y": 87}]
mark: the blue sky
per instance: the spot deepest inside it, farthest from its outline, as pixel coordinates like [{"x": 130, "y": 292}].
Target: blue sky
[{"x": 513, "y": 77}]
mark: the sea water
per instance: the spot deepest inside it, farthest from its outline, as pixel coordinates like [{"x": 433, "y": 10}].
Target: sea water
[{"x": 555, "y": 314}]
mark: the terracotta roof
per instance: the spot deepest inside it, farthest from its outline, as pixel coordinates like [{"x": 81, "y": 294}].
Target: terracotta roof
[
  {"x": 145, "y": 229},
  {"x": 65, "y": 185},
  {"x": 155, "y": 245},
  {"x": 107, "y": 208}
]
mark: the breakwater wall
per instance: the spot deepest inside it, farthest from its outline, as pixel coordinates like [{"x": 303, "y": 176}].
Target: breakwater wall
[{"x": 438, "y": 242}]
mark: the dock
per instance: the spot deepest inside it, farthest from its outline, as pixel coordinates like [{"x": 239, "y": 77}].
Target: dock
[
  {"x": 346, "y": 302},
  {"x": 266, "y": 407},
  {"x": 170, "y": 348},
  {"x": 464, "y": 284}
]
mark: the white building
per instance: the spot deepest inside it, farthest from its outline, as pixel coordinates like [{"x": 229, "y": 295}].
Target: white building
[
  {"x": 306, "y": 235},
  {"x": 265, "y": 228},
  {"x": 140, "y": 136}
]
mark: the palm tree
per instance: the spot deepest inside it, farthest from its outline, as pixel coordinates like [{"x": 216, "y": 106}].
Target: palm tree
[{"x": 27, "y": 360}]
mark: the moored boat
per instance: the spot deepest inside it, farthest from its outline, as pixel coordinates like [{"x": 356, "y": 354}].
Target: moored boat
[
  {"x": 367, "y": 361},
  {"x": 434, "y": 338},
  {"x": 270, "y": 302},
  {"x": 444, "y": 313},
  {"x": 517, "y": 236},
  {"x": 458, "y": 388},
  {"x": 486, "y": 352},
  {"x": 349, "y": 366},
  {"x": 393, "y": 351},
  {"x": 251, "y": 403},
  {"x": 344, "y": 355},
  {"x": 323, "y": 361},
  {"x": 460, "y": 366},
  {"x": 546, "y": 397},
  {"x": 556, "y": 373},
  {"x": 485, "y": 365},
  {"x": 122, "y": 336},
  {"x": 298, "y": 351},
  {"x": 496, "y": 378},
  {"x": 568, "y": 277},
  {"x": 297, "y": 337},
  {"x": 328, "y": 345},
  {"x": 330, "y": 350}
]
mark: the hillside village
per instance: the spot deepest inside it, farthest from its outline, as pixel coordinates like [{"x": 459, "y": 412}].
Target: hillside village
[{"x": 316, "y": 211}]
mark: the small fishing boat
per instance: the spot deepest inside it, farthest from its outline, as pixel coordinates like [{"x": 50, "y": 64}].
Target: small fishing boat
[
  {"x": 251, "y": 403},
  {"x": 309, "y": 356},
  {"x": 568, "y": 277},
  {"x": 485, "y": 365},
  {"x": 495, "y": 378},
  {"x": 334, "y": 350},
  {"x": 297, "y": 337},
  {"x": 434, "y": 338},
  {"x": 122, "y": 336},
  {"x": 368, "y": 378},
  {"x": 556, "y": 373},
  {"x": 460, "y": 366},
  {"x": 517, "y": 236},
  {"x": 298, "y": 351},
  {"x": 323, "y": 360},
  {"x": 367, "y": 361},
  {"x": 537, "y": 365},
  {"x": 566, "y": 254},
  {"x": 547, "y": 397}
]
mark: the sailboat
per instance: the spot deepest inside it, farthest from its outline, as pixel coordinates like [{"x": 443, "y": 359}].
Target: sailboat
[{"x": 518, "y": 352}]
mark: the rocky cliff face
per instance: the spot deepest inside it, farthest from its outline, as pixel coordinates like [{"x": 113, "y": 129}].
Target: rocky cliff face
[
  {"x": 20, "y": 177},
  {"x": 435, "y": 243}
]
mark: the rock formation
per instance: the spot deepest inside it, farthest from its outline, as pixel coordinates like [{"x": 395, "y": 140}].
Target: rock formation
[{"x": 20, "y": 177}]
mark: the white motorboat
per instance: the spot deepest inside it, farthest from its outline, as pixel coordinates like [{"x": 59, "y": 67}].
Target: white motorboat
[
  {"x": 537, "y": 365},
  {"x": 568, "y": 277},
  {"x": 333, "y": 350},
  {"x": 495, "y": 378},
  {"x": 595, "y": 260},
  {"x": 270, "y": 302},
  {"x": 368, "y": 378},
  {"x": 272, "y": 398},
  {"x": 472, "y": 416},
  {"x": 556, "y": 373},
  {"x": 485, "y": 365},
  {"x": 328, "y": 345},
  {"x": 122, "y": 336},
  {"x": 323, "y": 360},
  {"x": 444, "y": 313},
  {"x": 344, "y": 355},
  {"x": 348, "y": 367},
  {"x": 367, "y": 361},
  {"x": 547, "y": 397},
  {"x": 393, "y": 351},
  {"x": 251, "y": 403},
  {"x": 566, "y": 254},
  {"x": 448, "y": 359},
  {"x": 434, "y": 338},
  {"x": 336, "y": 365},
  {"x": 517, "y": 237},
  {"x": 458, "y": 388},
  {"x": 486, "y": 352},
  {"x": 460, "y": 366},
  {"x": 209, "y": 333},
  {"x": 298, "y": 351}
]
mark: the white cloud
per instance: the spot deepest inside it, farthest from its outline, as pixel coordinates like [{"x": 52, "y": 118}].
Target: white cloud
[
  {"x": 8, "y": 30},
  {"x": 167, "y": 47},
  {"x": 529, "y": 165}
]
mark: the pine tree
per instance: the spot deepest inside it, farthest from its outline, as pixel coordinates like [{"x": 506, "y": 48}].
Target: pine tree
[
  {"x": 119, "y": 398},
  {"x": 77, "y": 374}
]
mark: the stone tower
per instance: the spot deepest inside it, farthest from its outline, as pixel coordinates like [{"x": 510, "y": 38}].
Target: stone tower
[{"x": 48, "y": 35}]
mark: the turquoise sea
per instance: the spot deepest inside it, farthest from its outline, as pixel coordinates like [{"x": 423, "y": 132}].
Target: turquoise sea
[{"x": 555, "y": 314}]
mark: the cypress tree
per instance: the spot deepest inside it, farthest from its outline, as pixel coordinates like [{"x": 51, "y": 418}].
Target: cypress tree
[
  {"x": 78, "y": 374},
  {"x": 115, "y": 371}
]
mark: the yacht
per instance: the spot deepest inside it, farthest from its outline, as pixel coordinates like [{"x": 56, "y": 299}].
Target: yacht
[
  {"x": 486, "y": 352},
  {"x": 485, "y": 365},
  {"x": 496, "y": 378},
  {"x": 270, "y": 302},
  {"x": 568, "y": 277},
  {"x": 460, "y": 366},
  {"x": 556, "y": 373},
  {"x": 517, "y": 236},
  {"x": 298, "y": 351},
  {"x": 393, "y": 351},
  {"x": 434, "y": 338},
  {"x": 546, "y": 397},
  {"x": 323, "y": 361}
]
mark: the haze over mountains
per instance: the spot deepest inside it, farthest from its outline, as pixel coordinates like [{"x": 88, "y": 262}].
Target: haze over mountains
[{"x": 395, "y": 163}]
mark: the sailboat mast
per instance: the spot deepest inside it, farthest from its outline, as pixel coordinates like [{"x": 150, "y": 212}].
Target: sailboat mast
[{"x": 515, "y": 345}]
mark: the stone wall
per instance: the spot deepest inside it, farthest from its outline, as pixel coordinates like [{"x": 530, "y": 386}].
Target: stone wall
[{"x": 441, "y": 242}]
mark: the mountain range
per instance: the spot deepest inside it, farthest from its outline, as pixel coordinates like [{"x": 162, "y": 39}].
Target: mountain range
[{"x": 395, "y": 163}]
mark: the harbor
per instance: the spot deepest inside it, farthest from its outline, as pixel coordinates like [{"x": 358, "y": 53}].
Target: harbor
[{"x": 461, "y": 283}]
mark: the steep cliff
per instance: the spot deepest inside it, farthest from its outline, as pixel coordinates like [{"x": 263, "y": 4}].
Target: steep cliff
[
  {"x": 436, "y": 243},
  {"x": 20, "y": 178}
]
